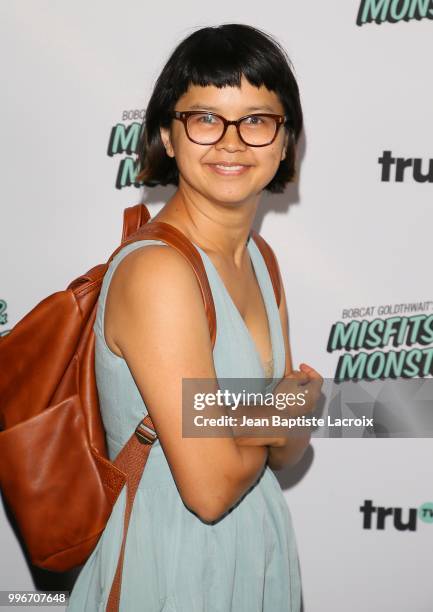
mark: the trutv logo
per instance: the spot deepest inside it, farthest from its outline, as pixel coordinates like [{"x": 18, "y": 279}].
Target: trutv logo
[
  {"x": 393, "y": 11},
  {"x": 399, "y": 169},
  {"x": 379, "y": 517}
]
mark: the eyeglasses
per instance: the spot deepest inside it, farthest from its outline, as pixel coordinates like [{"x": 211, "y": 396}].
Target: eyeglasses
[{"x": 205, "y": 128}]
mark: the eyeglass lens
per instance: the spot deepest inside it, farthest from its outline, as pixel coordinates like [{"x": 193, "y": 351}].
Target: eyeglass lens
[{"x": 255, "y": 129}]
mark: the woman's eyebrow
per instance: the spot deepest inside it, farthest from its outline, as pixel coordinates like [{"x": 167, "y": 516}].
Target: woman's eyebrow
[{"x": 250, "y": 109}]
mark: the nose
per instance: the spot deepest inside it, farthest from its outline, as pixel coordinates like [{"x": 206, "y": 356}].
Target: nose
[{"x": 231, "y": 141}]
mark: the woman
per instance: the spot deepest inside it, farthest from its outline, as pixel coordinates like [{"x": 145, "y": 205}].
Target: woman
[{"x": 210, "y": 529}]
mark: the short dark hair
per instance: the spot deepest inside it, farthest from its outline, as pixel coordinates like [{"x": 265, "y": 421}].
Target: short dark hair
[{"x": 218, "y": 56}]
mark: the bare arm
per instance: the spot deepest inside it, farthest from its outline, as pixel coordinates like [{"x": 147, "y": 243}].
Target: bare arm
[{"x": 156, "y": 321}]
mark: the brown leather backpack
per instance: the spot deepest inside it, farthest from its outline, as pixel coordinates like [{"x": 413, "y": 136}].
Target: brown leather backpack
[{"x": 54, "y": 467}]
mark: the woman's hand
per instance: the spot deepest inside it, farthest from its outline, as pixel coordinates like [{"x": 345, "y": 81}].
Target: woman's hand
[
  {"x": 309, "y": 382},
  {"x": 296, "y": 444},
  {"x": 307, "y": 378}
]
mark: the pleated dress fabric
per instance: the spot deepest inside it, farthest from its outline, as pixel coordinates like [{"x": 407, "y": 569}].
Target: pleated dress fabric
[{"x": 246, "y": 561}]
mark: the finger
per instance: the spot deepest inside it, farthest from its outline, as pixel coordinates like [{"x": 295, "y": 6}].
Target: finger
[
  {"x": 301, "y": 377},
  {"x": 303, "y": 380},
  {"x": 312, "y": 373}
]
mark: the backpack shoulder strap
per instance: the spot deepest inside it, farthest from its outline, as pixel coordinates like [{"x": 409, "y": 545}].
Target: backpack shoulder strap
[
  {"x": 136, "y": 227},
  {"x": 133, "y": 218},
  {"x": 158, "y": 230},
  {"x": 271, "y": 263}
]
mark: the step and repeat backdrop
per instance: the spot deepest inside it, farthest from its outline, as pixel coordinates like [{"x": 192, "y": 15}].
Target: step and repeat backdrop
[{"x": 353, "y": 236}]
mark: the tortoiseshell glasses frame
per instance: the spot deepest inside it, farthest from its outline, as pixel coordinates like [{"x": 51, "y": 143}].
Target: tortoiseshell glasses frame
[{"x": 184, "y": 116}]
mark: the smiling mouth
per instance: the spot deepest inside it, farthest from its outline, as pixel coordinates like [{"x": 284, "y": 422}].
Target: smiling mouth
[{"x": 229, "y": 169}]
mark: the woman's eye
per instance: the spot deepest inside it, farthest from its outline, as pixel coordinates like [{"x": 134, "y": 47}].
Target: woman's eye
[
  {"x": 253, "y": 120},
  {"x": 206, "y": 118}
]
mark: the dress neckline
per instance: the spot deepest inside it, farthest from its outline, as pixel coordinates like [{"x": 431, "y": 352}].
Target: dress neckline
[{"x": 236, "y": 309}]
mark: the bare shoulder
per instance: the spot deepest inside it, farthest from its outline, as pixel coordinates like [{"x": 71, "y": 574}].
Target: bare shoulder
[
  {"x": 153, "y": 260},
  {"x": 153, "y": 276}
]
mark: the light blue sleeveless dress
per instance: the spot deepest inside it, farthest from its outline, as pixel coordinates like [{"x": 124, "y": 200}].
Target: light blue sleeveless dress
[{"x": 246, "y": 561}]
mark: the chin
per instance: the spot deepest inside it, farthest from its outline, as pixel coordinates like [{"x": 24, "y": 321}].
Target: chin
[
  {"x": 232, "y": 194},
  {"x": 233, "y": 199}
]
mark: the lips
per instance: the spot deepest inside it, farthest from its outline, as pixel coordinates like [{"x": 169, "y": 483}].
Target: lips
[
  {"x": 228, "y": 164},
  {"x": 228, "y": 169}
]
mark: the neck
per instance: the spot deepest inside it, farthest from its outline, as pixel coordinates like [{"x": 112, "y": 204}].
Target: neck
[{"x": 217, "y": 227}]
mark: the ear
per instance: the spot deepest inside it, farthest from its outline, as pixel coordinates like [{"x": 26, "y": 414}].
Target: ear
[
  {"x": 285, "y": 145},
  {"x": 166, "y": 140}
]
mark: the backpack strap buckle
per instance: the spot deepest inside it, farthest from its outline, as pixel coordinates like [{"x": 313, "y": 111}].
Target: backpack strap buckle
[{"x": 145, "y": 434}]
